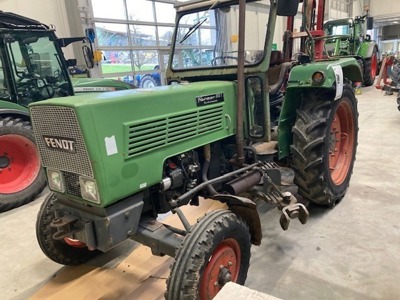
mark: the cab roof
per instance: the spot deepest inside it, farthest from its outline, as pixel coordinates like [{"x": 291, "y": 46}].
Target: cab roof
[{"x": 9, "y": 20}]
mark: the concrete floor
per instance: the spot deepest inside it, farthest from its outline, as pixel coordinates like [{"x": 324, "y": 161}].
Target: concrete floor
[{"x": 350, "y": 252}]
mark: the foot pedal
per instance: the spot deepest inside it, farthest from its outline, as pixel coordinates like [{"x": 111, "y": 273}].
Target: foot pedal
[{"x": 296, "y": 210}]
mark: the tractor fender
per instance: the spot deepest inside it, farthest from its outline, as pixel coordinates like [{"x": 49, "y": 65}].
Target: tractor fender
[
  {"x": 300, "y": 79},
  {"x": 247, "y": 210},
  {"x": 367, "y": 49},
  {"x": 15, "y": 113}
]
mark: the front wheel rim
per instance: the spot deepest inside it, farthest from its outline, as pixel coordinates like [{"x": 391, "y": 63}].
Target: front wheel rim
[
  {"x": 341, "y": 143},
  {"x": 74, "y": 243},
  {"x": 223, "y": 266},
  {"x": 20, "y": 163}
]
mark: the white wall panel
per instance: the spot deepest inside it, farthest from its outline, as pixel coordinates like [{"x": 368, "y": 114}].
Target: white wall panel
[{"x": 45, "y": 11}]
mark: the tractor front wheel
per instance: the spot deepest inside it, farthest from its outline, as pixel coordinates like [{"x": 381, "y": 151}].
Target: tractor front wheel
[
  {"x": 371, "y": 68},
  {"x": 68, "y": 251},
  {"x": 21, "y": 175},
  {"x": 215, "y": 251},
  {"x": 324, "y": 146}
]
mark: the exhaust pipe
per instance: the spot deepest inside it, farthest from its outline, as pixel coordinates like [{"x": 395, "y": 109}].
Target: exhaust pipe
[{"x": 243, "y": 183}]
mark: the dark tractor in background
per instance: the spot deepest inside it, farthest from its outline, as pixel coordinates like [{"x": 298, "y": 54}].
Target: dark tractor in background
[{"x": 32, "y": 68}]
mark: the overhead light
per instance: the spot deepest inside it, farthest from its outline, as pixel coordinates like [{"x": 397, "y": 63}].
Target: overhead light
[{"x": 395, "y": 22}]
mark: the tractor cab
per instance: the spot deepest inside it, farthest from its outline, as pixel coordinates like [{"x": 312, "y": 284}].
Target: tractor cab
[
  {"x": 209, "y": 44},
  {"x": 32, "y": 65},
  {"x": 31, "y": 68}
]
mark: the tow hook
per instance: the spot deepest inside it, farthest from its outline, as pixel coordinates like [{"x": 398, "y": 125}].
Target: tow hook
[
  {"x": 65, "y": 226},
  {"x": 292, "y": 209}
]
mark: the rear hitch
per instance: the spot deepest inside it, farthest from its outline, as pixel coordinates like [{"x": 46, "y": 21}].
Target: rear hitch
[
  {"x": 285, "y": 201},
  {"x": 293, "y": 211}
]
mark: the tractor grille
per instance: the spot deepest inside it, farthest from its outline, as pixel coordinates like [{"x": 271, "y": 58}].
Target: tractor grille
[
  {"x": 150, "y": 135},
  {"x": 60, "y": 122},
  {"x": 72, "y": 184}
]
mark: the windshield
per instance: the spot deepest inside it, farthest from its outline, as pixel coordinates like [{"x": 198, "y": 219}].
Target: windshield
[
  {"x": 35, "y": 66},
  {"x": 339, "y": 29},
  {"x": 209, "y": 38}
]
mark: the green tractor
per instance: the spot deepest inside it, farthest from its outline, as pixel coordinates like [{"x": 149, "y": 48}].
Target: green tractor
[
  {"x": 32, "y": 68},
  {"x": 347, "y": 37},
  {"x": 116, "y": 161}
]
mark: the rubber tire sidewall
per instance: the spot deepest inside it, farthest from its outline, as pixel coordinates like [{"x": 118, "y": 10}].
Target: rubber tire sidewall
[
  {"x": 368, "y": 79},
  {"x": 199, "y": 244},
  {"x": 9, "y": 201},
  {"x": 57, "y": 250},
  {"x": 310, "y": 148},
  {"x": 348, "y": 96},
  {"x": 148, "y": 78}
]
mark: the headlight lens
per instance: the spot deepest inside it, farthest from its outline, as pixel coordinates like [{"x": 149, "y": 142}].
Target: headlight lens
[
  {"x": 318, "y": 77},
  {"x": 89, "y": 189},
  {"x": 56, "y": 180}
]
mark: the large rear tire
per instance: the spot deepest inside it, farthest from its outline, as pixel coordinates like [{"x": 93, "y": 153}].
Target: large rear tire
[
  {"x": 324, "y": 146},
  {"x": 217, "y": 250},
  {"x": 371, "y": 68},
  {"x": 148, "y": 82},
  {"x": 21, "y": 175},
  {"x": 68, "y": 252}
]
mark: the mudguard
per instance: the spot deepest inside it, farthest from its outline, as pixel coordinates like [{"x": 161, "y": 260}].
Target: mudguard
[
  {"x": 366, "y": 49},
  {"x": 13, "y": 107},
  {"x": 300, "y": 78}
]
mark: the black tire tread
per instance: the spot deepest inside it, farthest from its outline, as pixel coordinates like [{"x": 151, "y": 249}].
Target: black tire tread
[
  {"x": 191, "y": 257},
  {"x": 368, "y": 79},
  {"x": 308, "y": 154},
  {"x": 58, "y": 251}
]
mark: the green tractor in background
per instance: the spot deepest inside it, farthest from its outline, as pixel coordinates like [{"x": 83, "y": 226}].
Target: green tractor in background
[
  {"x": 347, "y": 37},
  {"x": 32, "y": 68},
  {"x": 116, "y": 161}
]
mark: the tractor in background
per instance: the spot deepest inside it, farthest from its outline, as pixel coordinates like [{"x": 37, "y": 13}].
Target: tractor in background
[
  {"x": 149, "y": 80},
  {"x": 336, "y": 38},
  {"x": 347, "y": 37},
  {"x": 116, "y": 161},
  {"x": 32, "y": 68}
]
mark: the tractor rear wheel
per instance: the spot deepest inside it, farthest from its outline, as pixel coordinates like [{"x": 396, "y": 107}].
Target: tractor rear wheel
[
  {"x": 68, "y": 252},
  {"x": 215, "y": 251},
  {"x": 21, "y": 175},
  {"x": 148, "y": 81},
  {"x": 371, "y": 68},
  {"x": 324, "y": 146}
]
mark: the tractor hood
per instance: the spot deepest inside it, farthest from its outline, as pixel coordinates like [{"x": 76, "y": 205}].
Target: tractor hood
[{"x": 122, "y": 139}]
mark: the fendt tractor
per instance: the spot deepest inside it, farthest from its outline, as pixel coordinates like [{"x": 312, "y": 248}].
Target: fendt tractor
[
  {"x": 348, "y": 38},
  {"x": 116, "y": 161},
  {"x": 32, "y": 68}
]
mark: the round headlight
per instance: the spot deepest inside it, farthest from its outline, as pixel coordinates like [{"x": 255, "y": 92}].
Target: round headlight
[{"x": 318, "y": 77}]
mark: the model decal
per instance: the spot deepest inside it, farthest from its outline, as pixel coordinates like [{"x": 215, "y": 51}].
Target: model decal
[{"x": 209, "y": 99}]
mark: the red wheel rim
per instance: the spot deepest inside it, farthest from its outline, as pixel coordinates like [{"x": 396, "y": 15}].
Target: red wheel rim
[
  {"x": 374, "y": 65},
  {"x": 223, "y": 266},
  {"x": 341, "y": 143},
  {"x": 75, "y": 243},
  {"x": 20, "y": 163}
]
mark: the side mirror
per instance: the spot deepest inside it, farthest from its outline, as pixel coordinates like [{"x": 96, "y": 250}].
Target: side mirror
[
  {"x": 370, "y": 23},
  {"x": 88, "y": 55},
  {"x": 287, "y": 8}
]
